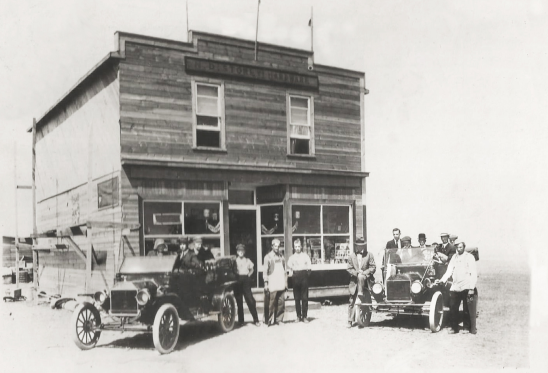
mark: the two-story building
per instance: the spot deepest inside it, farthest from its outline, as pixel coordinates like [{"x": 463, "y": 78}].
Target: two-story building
[{"x": 163, "y": 139}]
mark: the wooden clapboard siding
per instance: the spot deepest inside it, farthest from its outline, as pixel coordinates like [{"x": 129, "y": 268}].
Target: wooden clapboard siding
[
  {"x": 130, "y": 212},
  {"x": 156, "y": 108}
]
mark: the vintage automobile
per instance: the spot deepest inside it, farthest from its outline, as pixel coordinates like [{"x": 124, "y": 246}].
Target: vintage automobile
[
  {"x": 408, "y": 286},
  {"x": 151, "y": 295}
]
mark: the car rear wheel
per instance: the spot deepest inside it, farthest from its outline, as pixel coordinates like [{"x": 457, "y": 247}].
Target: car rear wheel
[
  {"x": 435, "y": 316},
  {"x": 85, "y": 322},
  {"x": 227, "y": 316},
  {"x": 363, "y": 316},
  {"x": 165, "y": 330}
]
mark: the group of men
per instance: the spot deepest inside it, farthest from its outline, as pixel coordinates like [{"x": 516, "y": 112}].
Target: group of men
[
  {"x": 461, "y": 268},
  {"x": 275, "y": 277}
]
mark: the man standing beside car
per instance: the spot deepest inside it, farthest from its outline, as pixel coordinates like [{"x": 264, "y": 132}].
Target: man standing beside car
[
  {"x": 243, "y": 287},
  {"x": 462, "y": 268},
  {"x": 275, "y": 284},
  {"x": 361, "y": 267}
]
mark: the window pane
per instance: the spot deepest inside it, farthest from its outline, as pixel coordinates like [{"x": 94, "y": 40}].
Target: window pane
[
  {"x": 299, "y": 116},
  {"x": 207, "y": 106},
  {"x": 306, "y": 219},
  {"x": 299, "y": 102},
  {"x": 337, "y": 249},
  {"x": 207, "y": 90},
  {"x": 202, "y": 218},
  {"x": 335, "y": 219},
  {"x": 314, "y": 249},
  {"x": 107, "y": 193},
  {"x": 211, "y": 139},
  {"x": 207, "y": 121},
  {"x": 300, "y": 146},
  {"x": 161, "y": 227},
  {"x": 302, "y": 131},
  {"x": 272, "y": 219}
]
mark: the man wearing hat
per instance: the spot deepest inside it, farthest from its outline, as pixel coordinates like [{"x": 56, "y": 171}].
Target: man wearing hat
[
  {"x": 452, "y": 239},
  {"x": 243, "y": 286},
  {"x": 422, "y": 240},
  {"x": 406, "y": 252},
  {"x": 275, "y": 284},
  {"x": 361, "y": 267},
  {"x": 201, "y": 252},
  {"x": 186, "y": 259},
  {"x": 446, "y": 250}
]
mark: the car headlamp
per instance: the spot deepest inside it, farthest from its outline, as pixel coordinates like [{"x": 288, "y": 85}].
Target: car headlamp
[
  {"x": 377, "y": 288},
  {"x": 143, "y": 296},
  {"x": 100, "y": 297},
  {"x": 416, "y": 287}
]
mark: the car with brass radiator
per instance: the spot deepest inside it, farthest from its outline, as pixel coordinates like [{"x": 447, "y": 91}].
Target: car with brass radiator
[
  {"x": 152, "y": 295},
  {"x": 408, "y": 287}
]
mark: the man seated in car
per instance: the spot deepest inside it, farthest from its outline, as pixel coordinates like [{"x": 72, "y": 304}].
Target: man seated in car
[{"x": 187, "y": 259}]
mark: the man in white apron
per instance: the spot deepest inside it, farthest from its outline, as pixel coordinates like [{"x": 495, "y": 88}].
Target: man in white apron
[{"x": 275, "y": 284}]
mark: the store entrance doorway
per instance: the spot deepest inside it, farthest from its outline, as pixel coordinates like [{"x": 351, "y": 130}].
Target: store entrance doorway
[{"x": 242, "y": 225}]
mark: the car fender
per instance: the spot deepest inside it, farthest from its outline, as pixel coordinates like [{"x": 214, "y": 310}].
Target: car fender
[{"x": 219, "y": 293}]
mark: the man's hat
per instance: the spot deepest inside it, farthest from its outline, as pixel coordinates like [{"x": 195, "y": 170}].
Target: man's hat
[
  {"x": 406, "y": 238},
  {"x": 360, "y": 243},
  {"x": 444, "y": 235},
  {"x": 183, "y": 240},
  {"x": 240, "y": 247},
  {"x": 453, "y": 237},
  {"x": 422, "y": 237},
  {"x": 197, "y": 239}
]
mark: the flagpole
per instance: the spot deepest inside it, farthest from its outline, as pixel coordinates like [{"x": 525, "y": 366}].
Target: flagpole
[
  {"x": 312, "y": 29},
  {"x": 257, "y": 29},
  {"x": 187, "y": 21}
]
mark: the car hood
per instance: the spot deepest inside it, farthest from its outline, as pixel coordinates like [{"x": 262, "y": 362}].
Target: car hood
[{"x": 147, "y": 264}]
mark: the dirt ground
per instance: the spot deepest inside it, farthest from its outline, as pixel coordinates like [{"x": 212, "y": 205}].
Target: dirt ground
[{"x": 35, "y": 338}]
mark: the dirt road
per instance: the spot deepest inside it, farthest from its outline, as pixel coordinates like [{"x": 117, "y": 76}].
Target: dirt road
[{"x": 36, "y": 339}]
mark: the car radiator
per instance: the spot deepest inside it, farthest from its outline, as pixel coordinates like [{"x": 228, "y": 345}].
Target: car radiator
[
  {"x": 123, "y": 301},
  {"x": 398, "y": 290}
]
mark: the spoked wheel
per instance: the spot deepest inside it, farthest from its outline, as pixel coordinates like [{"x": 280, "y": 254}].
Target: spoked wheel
[
  {"x": 85, "y": 324},
  {"x": 165, "y": 330},
  {"x": 227, "y": 317},
  {"x": 435, "y": 317},
  {"x": 363, "y": 316}
]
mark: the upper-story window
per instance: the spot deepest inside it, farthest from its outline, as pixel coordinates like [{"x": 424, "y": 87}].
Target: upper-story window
[
  {"x": 208, "y": 108},
  {"x": 301, "y": 125}
]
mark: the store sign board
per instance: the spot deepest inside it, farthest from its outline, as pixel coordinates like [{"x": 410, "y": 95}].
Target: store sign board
[{"x": 200, "y": 66}]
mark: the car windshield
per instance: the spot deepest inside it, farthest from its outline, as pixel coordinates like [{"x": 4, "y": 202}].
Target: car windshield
[
  {"x": 414, "y": 255},
  {"x": 147, "y": 264}
]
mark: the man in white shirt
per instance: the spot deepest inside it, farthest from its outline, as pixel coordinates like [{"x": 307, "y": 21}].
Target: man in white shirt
[
  {"x": 300, "y": 265},
  {"x": 462, "y": 268}
]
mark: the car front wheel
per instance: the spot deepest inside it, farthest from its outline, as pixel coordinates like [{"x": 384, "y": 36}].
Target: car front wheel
[
  {"x": 165, "y": 330},
  {"x": 227, "y": 316},
  {"x": 363, "y": 316},
  {"x": 435, "y": 316},
  {"x": 85, "y": 323}
]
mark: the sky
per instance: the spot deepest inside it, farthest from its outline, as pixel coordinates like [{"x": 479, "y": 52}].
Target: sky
[{"x": 456, "y": 117}]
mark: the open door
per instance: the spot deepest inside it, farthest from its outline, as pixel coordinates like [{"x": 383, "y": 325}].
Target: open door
[{"x": 242, "y": 225}]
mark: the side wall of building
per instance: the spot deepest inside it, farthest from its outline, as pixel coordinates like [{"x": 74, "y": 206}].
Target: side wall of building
[{"x": 77, "y": 149}]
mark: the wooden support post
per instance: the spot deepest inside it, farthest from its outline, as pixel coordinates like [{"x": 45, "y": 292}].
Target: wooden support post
[
  {"x": 34, "y": 226},
  {"x": 129, "y": 245},
  {"x": 91, "y": 206},
  {"x": 89, "y": 260}
]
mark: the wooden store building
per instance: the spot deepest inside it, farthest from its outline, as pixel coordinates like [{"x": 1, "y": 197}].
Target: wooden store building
[{"x": 163, "y": 139}]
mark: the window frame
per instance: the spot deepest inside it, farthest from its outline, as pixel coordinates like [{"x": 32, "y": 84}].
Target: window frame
[
  {"x": 221, "y": 107},
  {"x": 114, "y": 190},
  {"x": 310, "y": 117}
]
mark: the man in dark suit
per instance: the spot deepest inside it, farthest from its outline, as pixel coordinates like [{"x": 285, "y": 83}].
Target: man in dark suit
[
  {"x": 361, "y": 267},
  {"x": 446, "y": 250},
  {"x": 396, "y": 242}
]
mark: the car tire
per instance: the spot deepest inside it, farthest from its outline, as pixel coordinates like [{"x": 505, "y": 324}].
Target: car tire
[
  {"x": 84, "y": 322},
  {"x": 436, "y": 313},
  {"x": 227, "y": 314},
  {"x": 165, "y": 330},
  {"x": 363, "y": 317}
]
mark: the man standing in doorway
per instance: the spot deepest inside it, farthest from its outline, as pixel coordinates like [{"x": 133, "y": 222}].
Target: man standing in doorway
[
  {"x": 462, "y": 268},
  {"x": 299, "y": 263},
  {"x": 275, "y": 284},
  {"x": 396, "y": 242}
]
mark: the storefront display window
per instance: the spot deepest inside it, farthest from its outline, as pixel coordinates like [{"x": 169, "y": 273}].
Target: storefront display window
[
  {"x": 169, "y": 221},
  {"x": 324, "y": 231}
]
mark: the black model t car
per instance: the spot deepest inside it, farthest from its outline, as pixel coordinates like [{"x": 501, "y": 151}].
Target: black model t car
[
  {"x": 151, "y": 295},
  {"x": 408, "y": 287}
]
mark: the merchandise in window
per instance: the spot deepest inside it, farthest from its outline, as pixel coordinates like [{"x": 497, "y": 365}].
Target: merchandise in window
[
  {"x": 272, "y": 227},
  {"x": 202, "y": 218}
]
